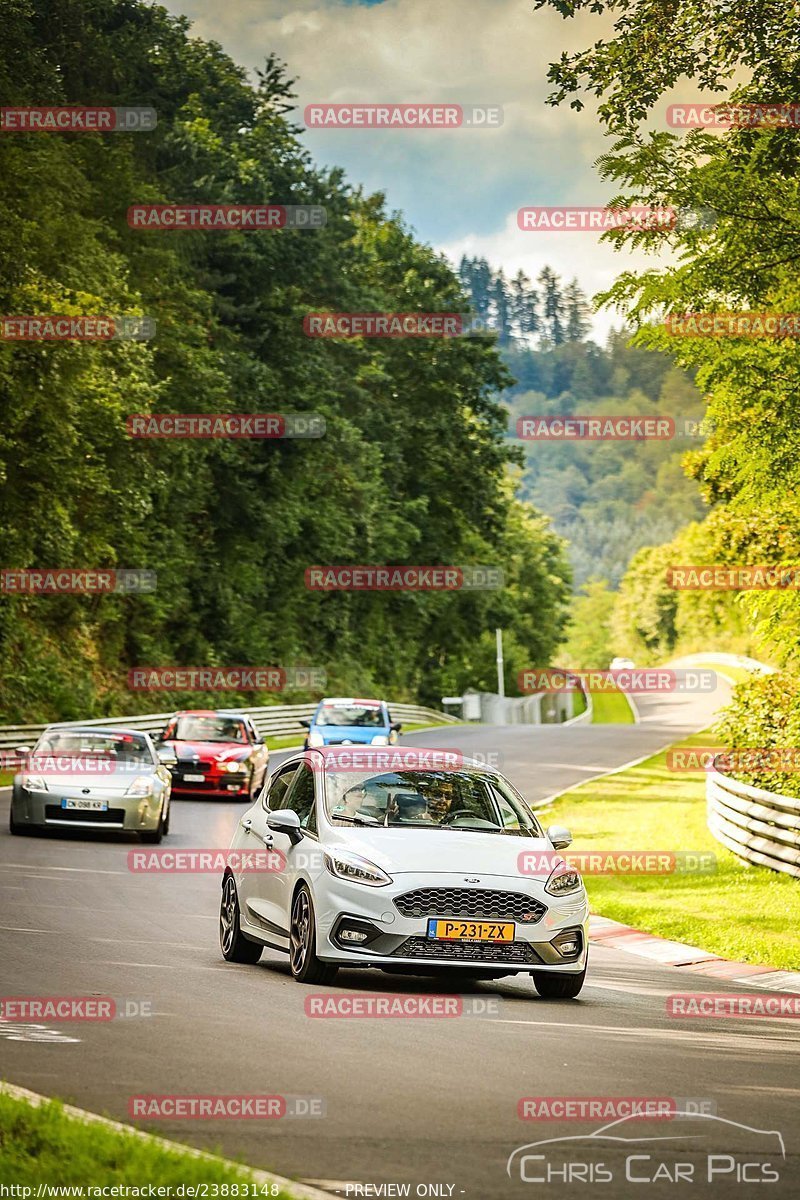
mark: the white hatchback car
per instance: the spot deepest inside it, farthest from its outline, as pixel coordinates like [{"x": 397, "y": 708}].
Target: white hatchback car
[{"x": 392, "y": 859}]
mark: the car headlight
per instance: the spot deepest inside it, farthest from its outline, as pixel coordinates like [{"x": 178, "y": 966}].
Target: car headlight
[
  {"x": 141, "y": 786},
  {"x": 235, "y": 766},
  {"x": 316, "y": 739},
  {"x": 356, "y": 869},
  {"x": 380, "y": 739},
  {"x": 35, "y": 783},
  {"x": 563, "y": 880}
]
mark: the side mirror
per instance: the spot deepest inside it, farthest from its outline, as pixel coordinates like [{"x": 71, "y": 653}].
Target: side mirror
[
  {"x": 396, "y": 726},
  {"x": 167, "y": 756},
  {"x": 559, "y": 836},
  {"x": 22, "y": 750},
  {"x": 283, "y": 820},
  {"x": 305, "y": 722}
]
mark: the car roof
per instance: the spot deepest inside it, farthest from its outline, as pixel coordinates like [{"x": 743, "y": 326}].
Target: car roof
[
  {"x": 112, "y": 729},
  {"x": 350, "y": 700},
  {"x": 209, "y": 712}
]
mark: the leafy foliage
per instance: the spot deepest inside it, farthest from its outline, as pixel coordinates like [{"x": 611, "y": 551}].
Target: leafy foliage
[{"x": 414, "y": 464}]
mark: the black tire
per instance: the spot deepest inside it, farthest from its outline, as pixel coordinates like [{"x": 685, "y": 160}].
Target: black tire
[
  {"x": 153, "y": 837},
  {"x": 558, "y": 987},
  {"x": 234, "y": 945},
  {"x": 306, "y": 967},
  {"x": 14, "y": 827}
]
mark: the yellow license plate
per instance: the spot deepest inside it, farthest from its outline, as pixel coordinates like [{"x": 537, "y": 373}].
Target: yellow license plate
[{"x": 471, "y": 931}]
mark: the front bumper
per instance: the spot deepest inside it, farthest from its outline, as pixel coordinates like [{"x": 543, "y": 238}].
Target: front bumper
[
  {"x": 402, "y": 941},
  {"x": 217, "y": 787},
  {"x": 43, "y": 810}
]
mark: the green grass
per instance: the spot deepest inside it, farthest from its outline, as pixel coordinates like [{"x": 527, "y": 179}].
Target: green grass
[
  {"x": 746, "y": 913},
  {"x": 44, "y": 1144},
  {"x": 611, "y": 708}
]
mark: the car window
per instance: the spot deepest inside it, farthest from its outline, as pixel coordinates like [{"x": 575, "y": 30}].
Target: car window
[
  {"x": 276, "y": 789},
  {"x": 301, "y": 798}
]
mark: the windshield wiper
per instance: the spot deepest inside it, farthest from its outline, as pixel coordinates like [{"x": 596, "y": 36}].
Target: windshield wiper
[{"x": 355, "y": 820}]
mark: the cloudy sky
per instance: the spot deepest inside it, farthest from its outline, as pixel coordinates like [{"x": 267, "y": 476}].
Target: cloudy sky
[{"x": 460, "y": 189}]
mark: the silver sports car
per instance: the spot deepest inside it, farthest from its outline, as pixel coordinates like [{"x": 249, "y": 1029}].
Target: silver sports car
[{"x": 90, "y": 778}]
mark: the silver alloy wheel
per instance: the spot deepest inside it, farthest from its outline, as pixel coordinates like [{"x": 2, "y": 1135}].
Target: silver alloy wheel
[
  {"x": 228, "y": 915},
  {"x": 299, "y": 932}
]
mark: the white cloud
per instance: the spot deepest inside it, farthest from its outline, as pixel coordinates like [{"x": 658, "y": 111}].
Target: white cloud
[{"x": 459, "y": 189}]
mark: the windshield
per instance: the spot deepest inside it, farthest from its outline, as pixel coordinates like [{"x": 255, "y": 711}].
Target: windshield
[
  {"x": 210, "y": 729},
  {"x": 463, "y": 799},
  {"x": 355, "y": 714},
  {"x": 116, "y": 747}
]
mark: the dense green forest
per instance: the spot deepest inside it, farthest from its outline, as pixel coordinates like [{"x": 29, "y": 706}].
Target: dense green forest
[
  {"x": 415, "y": 466},
  {"x": 608, "y": 499}
]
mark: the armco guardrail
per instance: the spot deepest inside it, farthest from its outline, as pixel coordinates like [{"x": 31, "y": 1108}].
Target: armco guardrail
[
  {"x": 759, "y": 826},
  {"x": 278, "y": 720}
]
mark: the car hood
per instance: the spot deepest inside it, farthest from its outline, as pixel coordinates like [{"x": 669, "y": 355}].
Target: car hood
[
  {"x": 445, "y": 852},
  {"x": 216, "y": 751}
]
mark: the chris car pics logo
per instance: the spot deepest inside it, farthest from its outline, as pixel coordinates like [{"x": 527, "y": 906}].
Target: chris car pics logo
[{"x": 697, "y": 1148}]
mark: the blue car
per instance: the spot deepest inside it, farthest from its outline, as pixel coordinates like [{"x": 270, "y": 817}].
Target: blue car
[{"x": 349, "y": 722}]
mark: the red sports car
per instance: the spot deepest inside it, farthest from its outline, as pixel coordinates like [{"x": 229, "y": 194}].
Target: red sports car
[{"x": 219, "y": 754}]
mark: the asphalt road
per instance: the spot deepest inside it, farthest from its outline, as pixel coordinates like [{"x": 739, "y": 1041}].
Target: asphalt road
[{"x": 428, "y": 1102}]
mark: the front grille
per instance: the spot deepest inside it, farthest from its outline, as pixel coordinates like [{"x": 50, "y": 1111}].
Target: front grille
[
  {"x": 493, "y": 952},
  {"x": 474, "y": 904},
  {"x": 194, "y": 768},
  {"x": 112, "y": 816}
]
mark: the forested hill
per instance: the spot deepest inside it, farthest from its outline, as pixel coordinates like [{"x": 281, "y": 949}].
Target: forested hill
[
  {"x": 413, "y": 467},
  {"x": 607, "y": 498}
]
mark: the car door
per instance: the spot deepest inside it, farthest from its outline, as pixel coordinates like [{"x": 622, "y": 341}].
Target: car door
[
  {"x": 258, "y": 895},
  {"x": 279, "y": 887}
]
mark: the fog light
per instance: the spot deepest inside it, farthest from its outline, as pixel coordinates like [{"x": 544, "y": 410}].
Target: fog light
[
  {"x": 569, "y": 944},
  {"x": 353, "y": 935}
]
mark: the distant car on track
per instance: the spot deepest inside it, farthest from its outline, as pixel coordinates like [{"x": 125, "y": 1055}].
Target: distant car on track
[
  {"x": 90, "y": 778},
  {"x": 346, "y": 721},
  {"x": 622, "y": 664},
  {"x": 218, "y": 754},
  {"x": 415, "y": 871}
]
